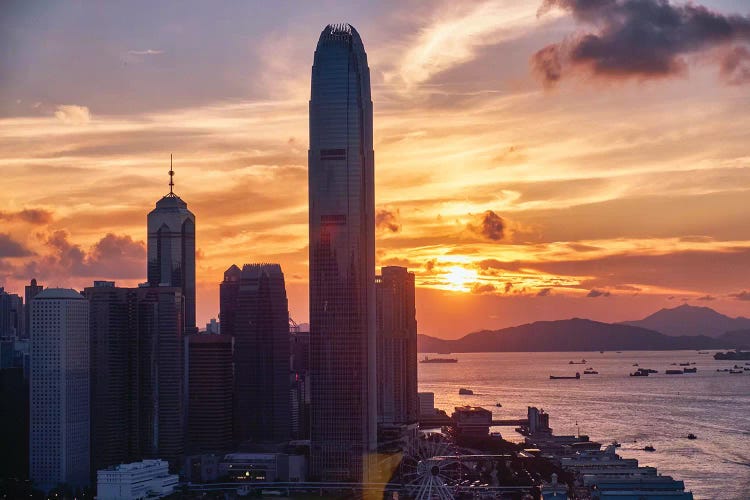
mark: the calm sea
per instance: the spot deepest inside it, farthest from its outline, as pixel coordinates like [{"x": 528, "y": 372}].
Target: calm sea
[{"x": 660, "y": 410}]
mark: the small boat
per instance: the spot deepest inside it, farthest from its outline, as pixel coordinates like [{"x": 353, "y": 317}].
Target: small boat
[
  {"x": 499, "y": 405},
  {"x": 649, "y": 448},
  {"x": 684, "y": 364},
  {"x": 689, "y": 370},
  {"x": 616, "y": 444},
  {"x": 555, "y": 377},
  {"x": 582, "y": 362},
  {"x": 674, "y": 372},
  {"x": 649, "y": 370},
  {"x": 735, "y": 371},
  {"x": 635, "y": 364},
  {"x": 639, "y": 373},
  {"x": 692, "y": 436},
  {"x": 722, "y": 369},
  {"x": 465, "y": 392},
  {"x": 590, "y": 371}
]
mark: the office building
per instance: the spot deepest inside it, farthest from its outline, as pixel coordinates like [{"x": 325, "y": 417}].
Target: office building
[
  {"x": 171, "y": 249},
  {"x": 30, "y": 291},
  {"x": 209, "y": 379},
  {"x": 59, "y": 437},
  {"x": 300, "y": 392},
  {"x": 397, "y": 347},
  {"x": 342, "y": 260},
  {"x": 255, "y": 312},
  {"x": 136, "y": 374},
  {"x": 11, "y": 315}
]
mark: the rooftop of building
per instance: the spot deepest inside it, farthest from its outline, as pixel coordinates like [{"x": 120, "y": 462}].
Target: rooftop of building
[
  {"x": 59, "y": 293},
  {"x": 133, "y": 466},
  {"x": 472, "y": 409}
]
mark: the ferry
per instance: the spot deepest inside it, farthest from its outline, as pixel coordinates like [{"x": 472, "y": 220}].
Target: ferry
[{"x": 427, "y": 359}]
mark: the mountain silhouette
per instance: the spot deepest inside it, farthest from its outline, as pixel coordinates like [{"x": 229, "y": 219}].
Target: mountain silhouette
[
  {"x": 691, "y": 320},
  {"x": 578, "y": 335}
]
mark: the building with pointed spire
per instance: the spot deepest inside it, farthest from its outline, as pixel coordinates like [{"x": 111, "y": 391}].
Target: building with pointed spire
[
  {"x": 171, "y": 248},
  {"x": 342, "y": 260}
]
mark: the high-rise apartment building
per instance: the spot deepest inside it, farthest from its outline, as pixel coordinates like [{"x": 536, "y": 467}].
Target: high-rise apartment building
[
  {"x": 171, "y": 250},
  {"x": 59, "y": 395},
  {"x": 342, "y": 259},
  {"x": 136, "y": 374},
  {"x": 255, "y": 312},
  {"x": 209, "y": 379},
  {"x": 397, "y": 347}
]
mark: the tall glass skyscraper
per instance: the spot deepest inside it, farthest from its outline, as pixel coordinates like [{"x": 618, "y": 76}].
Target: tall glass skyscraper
[
  {"x": 171, "y": 250},
  {"x": 342, "y": 260}
]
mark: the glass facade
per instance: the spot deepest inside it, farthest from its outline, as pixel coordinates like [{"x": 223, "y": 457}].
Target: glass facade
[
  {"x": 342, "y": 259},
  {"x": 171, "y": 251}
]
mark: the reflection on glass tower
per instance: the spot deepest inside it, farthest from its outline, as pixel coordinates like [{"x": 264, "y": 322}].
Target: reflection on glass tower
[
  {"x": 171, "y": 249},
  {"x": 342, "y": 259}
]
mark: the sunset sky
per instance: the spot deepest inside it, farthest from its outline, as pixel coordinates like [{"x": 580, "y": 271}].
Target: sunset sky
[{"x": 534, "y": 160}]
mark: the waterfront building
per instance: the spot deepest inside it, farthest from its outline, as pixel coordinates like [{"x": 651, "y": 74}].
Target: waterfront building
[
  {"x": 136, "y": 373},
  {"x": 30, "y": 291},
  {"x": 264, "y": 466},
  {"x": 472, "y": 421},
  {"x": 209, "y": 379},
  {"x": 171, "y": 249},
  {"x": 255, "y": 312},
  {"x": 59, "y": 395},
  {"x": 342, "y": 260},
  {"x": 135, "y": 481},
  {"x": 426, "y": 404}
]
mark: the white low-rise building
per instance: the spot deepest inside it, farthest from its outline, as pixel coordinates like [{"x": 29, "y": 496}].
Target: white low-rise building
[{"x": 137, "y": 480}]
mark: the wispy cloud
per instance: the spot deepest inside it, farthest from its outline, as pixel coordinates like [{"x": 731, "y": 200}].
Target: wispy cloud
[
  {"x": 147, "y": 52},
  {"x": 73, "y": 114},
  {"x": 457, "y": 33}
]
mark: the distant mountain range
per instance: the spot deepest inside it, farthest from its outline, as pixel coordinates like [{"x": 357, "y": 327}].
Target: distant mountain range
[
  {"x": 586, "y": 335},
  {"x": 690, "y": 320}
]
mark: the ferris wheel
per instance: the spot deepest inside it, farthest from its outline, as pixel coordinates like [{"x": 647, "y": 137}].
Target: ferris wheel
[{"x": 430, "y": 469}]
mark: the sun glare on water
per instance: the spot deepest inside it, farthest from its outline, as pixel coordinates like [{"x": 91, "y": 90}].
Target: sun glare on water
[{"x": 459, "y": 279}]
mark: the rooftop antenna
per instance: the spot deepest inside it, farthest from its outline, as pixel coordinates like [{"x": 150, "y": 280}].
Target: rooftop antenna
[{"x": 171, "y": 175}]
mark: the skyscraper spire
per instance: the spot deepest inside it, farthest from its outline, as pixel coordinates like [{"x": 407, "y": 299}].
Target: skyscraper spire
[{"x": 171, "y": 175}]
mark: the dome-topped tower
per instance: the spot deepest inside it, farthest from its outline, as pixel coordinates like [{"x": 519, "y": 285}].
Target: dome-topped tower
[{"x": 171, "y": 248}]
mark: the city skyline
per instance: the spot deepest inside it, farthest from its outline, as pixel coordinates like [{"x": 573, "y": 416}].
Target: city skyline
[{"x": 509, "y": 200}]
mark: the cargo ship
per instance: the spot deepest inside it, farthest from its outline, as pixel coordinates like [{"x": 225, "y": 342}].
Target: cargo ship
[{"x": 438, "y": 360}]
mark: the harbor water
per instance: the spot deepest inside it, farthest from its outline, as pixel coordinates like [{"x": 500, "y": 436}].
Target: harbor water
[{"x": 658, "y": 410}]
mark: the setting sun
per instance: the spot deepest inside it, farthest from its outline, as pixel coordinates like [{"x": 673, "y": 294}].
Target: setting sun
[{"x": 459, "y": 278}]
